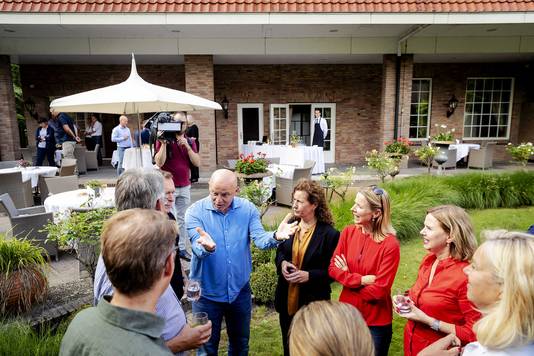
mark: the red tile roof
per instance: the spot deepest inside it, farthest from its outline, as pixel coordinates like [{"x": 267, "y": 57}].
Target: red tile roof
[{"x": 264, "y": 6}]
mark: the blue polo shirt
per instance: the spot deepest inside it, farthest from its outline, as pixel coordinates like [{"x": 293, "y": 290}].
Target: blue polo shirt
[
  {"x": 224, "y": 272},
  {"x": 62, "y": 136}
]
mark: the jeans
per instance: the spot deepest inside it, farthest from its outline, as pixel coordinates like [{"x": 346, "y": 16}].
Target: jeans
[
  {"x": 381, "y": 338},
  {"x": 120, "y": 151},
  {"x": 237, "y": 316},
  {"x": 42, "y": 153},
  {"x": 182, "y": 200}
]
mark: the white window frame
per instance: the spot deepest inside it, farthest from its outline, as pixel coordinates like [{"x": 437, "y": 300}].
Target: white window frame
[
  {"x": 271, "y": 121},
  {"x": 429, "y": 113},
  {"x": 510, "y": 106}
]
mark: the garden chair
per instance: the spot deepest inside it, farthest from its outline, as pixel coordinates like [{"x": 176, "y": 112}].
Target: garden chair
[
  {"x": 79, "y": 153},
  {"x": 481, "y": 157},
  {"x": 231, "y": 164},
  {"x": 27, "y": 223},
  {"x": 91, "y": 158},
  {"x": 273, "y": 160},
  {"x": 55, "y": 185},
  {"x": 8, "y": 164},
  {"x": 21, "y": 192},
  {"x": 284, "y": 186},
  {"x": 68, "y": 166}
]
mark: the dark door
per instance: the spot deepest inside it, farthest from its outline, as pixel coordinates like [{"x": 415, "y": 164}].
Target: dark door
[{"x": 251, "y": 125}]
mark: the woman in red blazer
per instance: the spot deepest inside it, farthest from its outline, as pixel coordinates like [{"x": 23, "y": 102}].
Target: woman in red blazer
[
  {"x": 365, "y": 263},
  {"x": 438, "y": 299}
]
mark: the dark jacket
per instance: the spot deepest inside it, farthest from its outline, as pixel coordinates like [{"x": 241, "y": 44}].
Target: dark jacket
[
  {"x": 316, "y": 261},
  {"x": 50, "y": 140}
]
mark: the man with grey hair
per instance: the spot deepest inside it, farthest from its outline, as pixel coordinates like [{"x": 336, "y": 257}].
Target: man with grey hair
[{"x": 137, "y": 188}]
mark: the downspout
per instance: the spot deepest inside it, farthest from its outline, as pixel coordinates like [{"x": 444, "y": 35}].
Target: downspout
[{"x": 412, "y": 31}]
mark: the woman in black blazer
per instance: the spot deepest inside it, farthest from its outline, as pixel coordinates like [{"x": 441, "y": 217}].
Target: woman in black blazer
[
  {"x": 45, "y": 142},
  {"x": 302, "y": 261}
]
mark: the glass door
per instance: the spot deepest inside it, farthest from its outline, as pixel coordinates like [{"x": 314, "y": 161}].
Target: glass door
[
  {"x": 328, "y": 112},
  {"x": 279, "y": 124}
]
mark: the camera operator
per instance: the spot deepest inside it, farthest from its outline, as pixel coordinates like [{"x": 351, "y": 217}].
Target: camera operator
[{"x": 174, "y": 154}]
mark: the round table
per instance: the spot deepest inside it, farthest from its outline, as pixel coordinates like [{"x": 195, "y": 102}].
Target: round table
[{"x": 63, "y": 203}]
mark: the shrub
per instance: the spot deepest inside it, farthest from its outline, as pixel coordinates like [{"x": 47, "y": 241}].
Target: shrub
[
  {"x": 263, "y": 283},
  {"x": 521, "y": 153},
  {"x": 427, "y": 154},
  {"x": 381, "y": 163},
  {"x": 338, "y": 182},
  {"x": 260, "y": 257},
  {"x": 400, "y": 146}
]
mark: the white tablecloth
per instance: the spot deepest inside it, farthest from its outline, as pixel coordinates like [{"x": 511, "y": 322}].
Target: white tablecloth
[
  {"x": 132, "y": 159},
  {"x": 32, "y": 173},
  {"x": 79, "y": 199},
  {"x": 462, "y": 149},
  {"x": 115, "y": 158},
  {"x": 294, "y": 156}
]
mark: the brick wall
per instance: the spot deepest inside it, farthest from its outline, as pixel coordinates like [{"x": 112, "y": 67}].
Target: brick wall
[
  {"x": 448, "y": 79},
  {"x": 199, "y": 81},
  {"x": 9, "y": 134},
  {"x": 354, "y": 88}
]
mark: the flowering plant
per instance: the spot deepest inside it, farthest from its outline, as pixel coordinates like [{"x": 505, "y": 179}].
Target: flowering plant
[
  {"x": 23, "y": 163},
  {"x": 294, "y": 139},
  {"x": 443, "y": 135},
  {"x": 521, "y": 153},
  {"x": 400, "y": 146},
  {"x": 250, "y": 165},
  {"x": 427, "y": 154},
  {"x": 381, "y": 163}
]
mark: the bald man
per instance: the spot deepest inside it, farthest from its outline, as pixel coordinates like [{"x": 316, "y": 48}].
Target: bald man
[
  {"x": 220, "y": 228},
  {"x": 123, "y": 137}
]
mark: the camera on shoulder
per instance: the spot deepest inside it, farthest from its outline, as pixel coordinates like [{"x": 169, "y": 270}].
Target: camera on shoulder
[{"x": 165, "y": 128}]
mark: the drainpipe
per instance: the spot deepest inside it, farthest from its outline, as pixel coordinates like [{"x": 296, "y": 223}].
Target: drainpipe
[{"x": 412, "y": 31}]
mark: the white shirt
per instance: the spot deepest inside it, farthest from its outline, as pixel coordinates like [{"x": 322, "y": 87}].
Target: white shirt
[
  {"x": 95, "y": 129},
  {"x": 42, "y": 134},
  {"x": 323, "y": 124},
  {"x": 475, "y": 349}
]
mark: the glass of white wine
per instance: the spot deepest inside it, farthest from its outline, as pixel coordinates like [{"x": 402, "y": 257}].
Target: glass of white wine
[{"x": 193, "y": 290}]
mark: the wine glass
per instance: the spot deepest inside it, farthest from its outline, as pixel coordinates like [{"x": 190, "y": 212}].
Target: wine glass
[
  {"x": 199, "y": 318},
  {"x": 193, "y": 290},
  {"x": 402, "y": 300}
]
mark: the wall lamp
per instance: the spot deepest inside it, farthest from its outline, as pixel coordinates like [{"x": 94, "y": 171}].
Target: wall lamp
[
  {"x": 452, "y": 104},
  {"x": 29, "y": 105},
  {"x": 224, "y": 105}
]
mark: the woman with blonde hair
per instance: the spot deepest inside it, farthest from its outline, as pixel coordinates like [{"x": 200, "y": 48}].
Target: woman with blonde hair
[
  {"x": 302, "y": 260},
  {"x": 326, "y": 328},
  {"x": 365, "y": 262},
  {"x": 437, "y": 303},
  {"x": 501, "y": 285}
]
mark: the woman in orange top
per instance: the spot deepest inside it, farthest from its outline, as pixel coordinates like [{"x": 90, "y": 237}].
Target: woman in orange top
[
  {"x": 365, "y": 263},
  {"x": 302, "y": 261},
  {"x": 438, "y": 299}
]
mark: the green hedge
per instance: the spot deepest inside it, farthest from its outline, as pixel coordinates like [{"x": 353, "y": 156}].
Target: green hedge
[{"x": 263, "y": 283}]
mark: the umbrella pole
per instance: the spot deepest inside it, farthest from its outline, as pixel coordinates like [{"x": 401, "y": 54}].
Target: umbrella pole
[{"x": 139, "y": 140}]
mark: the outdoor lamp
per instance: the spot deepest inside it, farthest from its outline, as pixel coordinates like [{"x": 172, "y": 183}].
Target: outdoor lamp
[
  {"x": 224, "y": 104},
  {"x": 29, "y": 105},
  {"x": 451, "y": 105}
]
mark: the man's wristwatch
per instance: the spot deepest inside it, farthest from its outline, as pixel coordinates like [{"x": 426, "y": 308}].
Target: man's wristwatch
[{"x": 435, "y": 324}]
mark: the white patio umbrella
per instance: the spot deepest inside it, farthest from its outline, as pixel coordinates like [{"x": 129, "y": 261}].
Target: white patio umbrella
[{"x": 133, "y": 96}]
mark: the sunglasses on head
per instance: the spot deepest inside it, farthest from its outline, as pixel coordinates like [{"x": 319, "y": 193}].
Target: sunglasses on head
[{"x": 378, "y": 191}]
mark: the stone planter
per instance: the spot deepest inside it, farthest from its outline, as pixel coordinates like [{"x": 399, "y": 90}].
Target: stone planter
[
  {"x": 403, "y": 159},
  {"x": 247, "y": 178},
  {"x": 22, "y": 289}
]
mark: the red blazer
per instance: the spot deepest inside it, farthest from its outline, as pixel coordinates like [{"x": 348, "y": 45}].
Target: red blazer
[
  {"x": 445, "y": 299},
  {"x": 365, "y": 256}
]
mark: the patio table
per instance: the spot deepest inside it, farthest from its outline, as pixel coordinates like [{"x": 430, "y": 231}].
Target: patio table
[
  {"x": 32, "y": 173},
  {"x": 462, "y": 149},
  {"x": 61, "y": 204},
  {"x": 294, "y": 156},
  {"x": 132, "y": 159}
]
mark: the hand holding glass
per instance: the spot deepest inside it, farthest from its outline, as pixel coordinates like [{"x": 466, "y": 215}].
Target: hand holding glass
[
  {"x": 403, "y": 302},
  {"x": 199, "y": 318}
]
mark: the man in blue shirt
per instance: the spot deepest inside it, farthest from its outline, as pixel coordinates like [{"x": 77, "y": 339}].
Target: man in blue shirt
[
  {"x": 65, "y": 133},
  {"x": 123, "y": 137},
  {"x": 221, "y": 227}
]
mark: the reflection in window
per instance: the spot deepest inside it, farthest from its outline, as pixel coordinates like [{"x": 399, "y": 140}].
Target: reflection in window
[{"x": 420, "y": 108}]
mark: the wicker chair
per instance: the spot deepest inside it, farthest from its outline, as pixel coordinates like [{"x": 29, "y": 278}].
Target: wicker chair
[
  {"x": 8, "y": 164},
  {"x": 68, "y": 167},
  {"x": 79, "y": 153},
  {"x": 284, "y": 186},
  {"x": 27, "y": 223},
  {"x": 55, "y": 185},
  {"x": 481, "y": 157},
  {"x": 91, "y": 158},
  {"x": 20, "y": 192}
]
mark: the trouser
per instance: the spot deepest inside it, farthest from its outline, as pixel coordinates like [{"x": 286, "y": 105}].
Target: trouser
[
  {"x": 182, "y": 199},
  {"x": 97, "y": 140},
  {"x": 285, "y": 323},
  {"x": 381, "y": 338},
  {"x": 68, "y": 149},
  {"x": 42, "y": 153},
  {"x": 237, "y": 316},
  {"x": 120, "y": 150}
]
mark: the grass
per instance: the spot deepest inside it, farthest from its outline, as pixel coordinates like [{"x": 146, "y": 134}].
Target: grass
[
  {"x": 21, "y": 340},
  {"x": 265, "y": 336}
]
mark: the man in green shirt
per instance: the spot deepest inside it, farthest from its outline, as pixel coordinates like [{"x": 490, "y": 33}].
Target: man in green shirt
[{"x": 127, "y": 324}]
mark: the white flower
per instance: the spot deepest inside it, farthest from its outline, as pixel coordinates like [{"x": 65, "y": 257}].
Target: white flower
[
  {"x": 436, "y": 125},
  {"x": 443, "y": 126},
  {"x": 452, "y": 130}
]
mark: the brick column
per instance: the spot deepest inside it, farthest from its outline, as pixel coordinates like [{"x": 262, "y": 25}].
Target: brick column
[
  {"x": 389, "y": 88},
  {"x": 9, "y": 134},
  {"x": 199, "y": 81}
]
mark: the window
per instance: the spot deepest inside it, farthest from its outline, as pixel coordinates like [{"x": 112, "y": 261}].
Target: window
[
  {"x": 420, "y": 108},
  {"x": 488, "y": 106},
  {"x": 279, "y": 125}
]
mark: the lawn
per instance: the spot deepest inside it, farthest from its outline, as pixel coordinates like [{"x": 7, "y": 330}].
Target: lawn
[{"x": 265, "y": 336}]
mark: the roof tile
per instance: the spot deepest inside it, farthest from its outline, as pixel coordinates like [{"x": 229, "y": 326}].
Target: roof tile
[{"x": 263, "y": 6}]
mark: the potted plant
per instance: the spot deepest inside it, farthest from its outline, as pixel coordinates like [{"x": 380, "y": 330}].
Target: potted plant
[
  {"x": 22, "y": 278},
  {"x": 427, "y": 154},
  {"x": 294, "y": 139},
  {"x": 249, "y": 167},
  {"x": 82, "y": 230},
  {"x": 399, "y": 149},
  {"x": 444, "y": 137},
  {"x": 96, "y": 186},
  {"x": 521, "y": 153}
]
